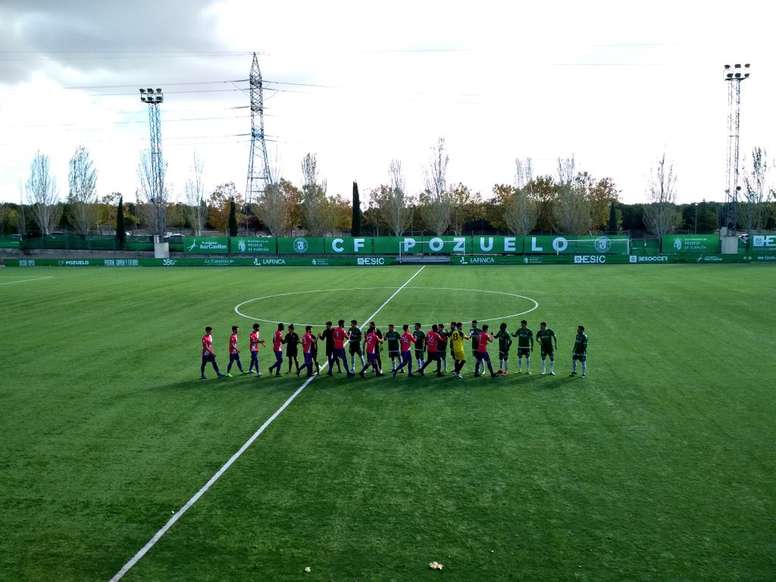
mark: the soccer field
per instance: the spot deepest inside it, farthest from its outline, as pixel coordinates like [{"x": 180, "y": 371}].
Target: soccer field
[{"x": 658, "y": 466}]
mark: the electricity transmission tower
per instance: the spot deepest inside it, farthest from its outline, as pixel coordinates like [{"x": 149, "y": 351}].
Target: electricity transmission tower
[
  {"x": 156, "y": 180},
  {"x": 259, "y": 173},
  {"x": 734, "y": 74}
]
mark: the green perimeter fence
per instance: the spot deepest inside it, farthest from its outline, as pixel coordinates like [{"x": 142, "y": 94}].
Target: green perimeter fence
[
  {"x": 676, "y": 246},
  {"x": 375, "y": 261}
]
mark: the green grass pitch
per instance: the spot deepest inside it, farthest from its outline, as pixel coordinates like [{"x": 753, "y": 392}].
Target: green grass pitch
[{"x": 659, "y": 466}]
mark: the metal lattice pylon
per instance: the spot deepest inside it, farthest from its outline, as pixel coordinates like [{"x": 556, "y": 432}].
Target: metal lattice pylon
[
  {"x": 154, "y": 98},
  {"x": 734, "y": 74},
  {"x": 259, "y": 173}
]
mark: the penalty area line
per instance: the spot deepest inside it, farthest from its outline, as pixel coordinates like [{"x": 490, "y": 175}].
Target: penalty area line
[
  {"x": 25, "y": 280},
  {"x": 225, "y": 467}
]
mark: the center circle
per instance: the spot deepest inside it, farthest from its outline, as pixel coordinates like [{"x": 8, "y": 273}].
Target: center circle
[{"x": 238, "y": 308}]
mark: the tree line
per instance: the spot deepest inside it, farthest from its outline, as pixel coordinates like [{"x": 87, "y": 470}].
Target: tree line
[{"x": 570, "y": 201}]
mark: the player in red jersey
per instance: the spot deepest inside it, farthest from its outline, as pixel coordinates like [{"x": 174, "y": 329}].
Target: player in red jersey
[
  {"x": 371, "y": 342},
  {"x": 340, "y": 336},
  {"x": 308, "y": 343},
  {"x": 433, "y": 341},
  {"x": 483, "y": 339},
  {"x": 254, "y": 340},
  {"x": 234, "y": 352},
  {"x": 208, "y": 355},
  {"x": 277, "y": 347},
  {"x": 406, "y": 341}
]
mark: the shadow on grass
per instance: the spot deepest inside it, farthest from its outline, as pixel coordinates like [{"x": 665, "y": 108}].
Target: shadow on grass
[{"x": 246, "y": 383}]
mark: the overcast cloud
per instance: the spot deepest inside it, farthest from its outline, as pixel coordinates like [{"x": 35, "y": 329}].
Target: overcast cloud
[{"x": 614, "y": 83}]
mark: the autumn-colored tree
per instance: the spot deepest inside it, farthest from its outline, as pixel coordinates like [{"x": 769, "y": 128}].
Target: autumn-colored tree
[
  {"x": 466, "y": 206},
  {"x": 218, "y": 206},
  {"x": 544, "y": 192},
  {"x": 602, "y": 194}
]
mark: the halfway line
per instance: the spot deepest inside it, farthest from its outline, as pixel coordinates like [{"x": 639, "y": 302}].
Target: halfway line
[{"x": 217, "y": 475}]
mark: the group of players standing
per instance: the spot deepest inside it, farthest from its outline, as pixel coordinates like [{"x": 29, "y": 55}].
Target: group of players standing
[{"x": 428, "y": 347}]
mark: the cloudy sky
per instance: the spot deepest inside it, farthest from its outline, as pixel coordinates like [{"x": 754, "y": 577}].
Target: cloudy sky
[{"x": 360, "y": 83}]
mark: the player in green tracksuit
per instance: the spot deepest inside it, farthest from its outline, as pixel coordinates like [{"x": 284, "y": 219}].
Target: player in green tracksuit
[
  {"x": 504, "y": 343},
  {"x": 548, "y": 341},
  {"x": 392, "y": 338},
  {"x": 525, "y": 345},
  {"x": 579, "y": 352},
  {"x": 474, "y": 332},
  {"x": 420, "y": 345}
]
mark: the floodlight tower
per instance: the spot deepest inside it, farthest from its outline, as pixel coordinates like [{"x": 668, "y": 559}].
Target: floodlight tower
[
  {"x": 259, "y": 173},
  {"x": 734, "y": 75},
  {"x": 154, "y": 98}
]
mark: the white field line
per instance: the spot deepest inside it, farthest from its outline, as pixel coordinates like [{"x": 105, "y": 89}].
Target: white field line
[
  {"x": 26, "y": 280},
  {"x": 217, "y": 475}
]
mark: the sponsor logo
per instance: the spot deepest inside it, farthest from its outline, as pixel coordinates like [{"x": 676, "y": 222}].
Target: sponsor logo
[
  {"x": 271, "y": 262},
  {"x": 207, "y": 245},
  {"x": 74, "y": 263},
  {"x": 370, "y": 261},
  {"x": 121, "y": 263},
  {"x": 219, "y": 262},
  {"x": 321, "y": 262},
  {"x": 169, "y": 262},
  {"x": 678, "y": 244},
  {"x": 647, "y": 259},
  {"x": 300, "y": 245},
  {"x": 241, "y": 246},
  {"x": 589, "y": 259},
  {"x": 757, "y": 258},
  {"x": 533, "y": 260},
  {"x": 26, "y": 262},
  {"x": 602, "y": 244},
  {"x": 481, "y": 261},
  {"x": 762, "y": 241},
  {"x": 709, "y": 259}
]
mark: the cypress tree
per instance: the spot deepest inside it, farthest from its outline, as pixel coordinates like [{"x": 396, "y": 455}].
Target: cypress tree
[
  {"x": 232, "y": 218},
  {"x": 121, "y": 231},
  {"x": 612, "y": 218},
  {"x": 355, "y": 223}
]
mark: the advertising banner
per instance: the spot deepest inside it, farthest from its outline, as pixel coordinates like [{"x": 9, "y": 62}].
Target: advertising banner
[
  {"x": 568, "y": 245},
  {"x": 210, "y": 245},
  {"x": 763, "y": 243},
  {"x": 255, "y": 245},
  {"x": 698, "y": 244},
  {"x": 300, "y": 245},
  {"x": 348, "y": 245}
]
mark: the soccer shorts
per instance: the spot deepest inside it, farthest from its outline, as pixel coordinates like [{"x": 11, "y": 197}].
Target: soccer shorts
[
  {"x": 393, "y": 353},
  {"x": 503, "y": 355},
  {"x": 208, "y": 358},
  {"x": 523, "y": 352},
  {"x": 355, "y": 349},
  {"x": 482, "y": 356},
  {"x": 548, "y": 353},
  {"x": 419, "y": 354},
  {"x": 292, "y": 353},
  {"x": 580, "y": 357}
]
